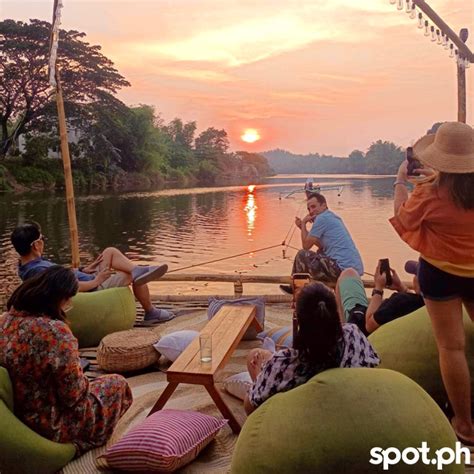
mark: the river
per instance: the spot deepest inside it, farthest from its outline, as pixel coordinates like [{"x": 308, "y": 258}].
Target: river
[{"x": 193, "y": 226}]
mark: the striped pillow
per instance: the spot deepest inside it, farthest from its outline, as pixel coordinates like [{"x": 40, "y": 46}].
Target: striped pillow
[
  {"x": 282, "y": 336},
  {"x": 164, "y": 442}
]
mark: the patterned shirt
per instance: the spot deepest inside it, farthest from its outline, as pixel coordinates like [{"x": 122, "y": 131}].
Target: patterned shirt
[
  {"x": 51, "y": 393},
  {"x": 285, "y": 370}
]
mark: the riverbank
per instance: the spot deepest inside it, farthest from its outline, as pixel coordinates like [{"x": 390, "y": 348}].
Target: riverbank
[{"x": 47, "y": 175}]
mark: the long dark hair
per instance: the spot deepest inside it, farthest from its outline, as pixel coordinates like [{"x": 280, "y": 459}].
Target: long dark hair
[
  {"x": 44, "y": 293},
  {"x": 460, "y": 188},
  {"x": 319, "y": 327}
]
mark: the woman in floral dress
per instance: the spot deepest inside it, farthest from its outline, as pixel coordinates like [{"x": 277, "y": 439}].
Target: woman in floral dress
[
  {"x": 320, "y": 343},
  {"x": 51, "y": 393}
]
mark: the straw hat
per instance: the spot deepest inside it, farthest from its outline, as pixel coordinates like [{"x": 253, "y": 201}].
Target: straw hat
[{"x": 450, "y": 150}]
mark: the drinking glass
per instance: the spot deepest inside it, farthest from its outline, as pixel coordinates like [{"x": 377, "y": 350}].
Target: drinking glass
[{"x": 205, "y": 346}]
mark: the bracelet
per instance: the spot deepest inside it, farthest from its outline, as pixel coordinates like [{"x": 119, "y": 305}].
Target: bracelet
[
  {"x": 400, "y": 182},
  {"x": 377, "y": 292}
]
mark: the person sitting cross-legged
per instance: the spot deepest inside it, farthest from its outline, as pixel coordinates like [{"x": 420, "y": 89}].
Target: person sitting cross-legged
[
  {"x": 99, "y": 275},
  {"x": 321, "y": 343},
  {"x": 336, "y": 249}
]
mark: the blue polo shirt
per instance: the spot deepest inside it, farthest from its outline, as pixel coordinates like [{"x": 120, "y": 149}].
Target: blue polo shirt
[
  {"x": 336, "y": 241},
  {"x": 40, "y": 264}
]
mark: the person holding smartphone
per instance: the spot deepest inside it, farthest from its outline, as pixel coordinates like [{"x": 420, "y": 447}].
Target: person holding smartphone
[
  {"x": 355, "y": 307},
  {"x": 437, "y": 220}
]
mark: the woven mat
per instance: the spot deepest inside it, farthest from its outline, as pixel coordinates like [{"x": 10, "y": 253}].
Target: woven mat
[{"x": 147, "y": 387}]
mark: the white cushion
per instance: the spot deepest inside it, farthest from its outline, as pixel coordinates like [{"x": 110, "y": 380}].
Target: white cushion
[
  {"x": 238, "y": 385},
  {"x": 172, "y": 345}
]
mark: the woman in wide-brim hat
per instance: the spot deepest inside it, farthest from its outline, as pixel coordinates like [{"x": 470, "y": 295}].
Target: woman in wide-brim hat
[{"x": 438, "y": 221}]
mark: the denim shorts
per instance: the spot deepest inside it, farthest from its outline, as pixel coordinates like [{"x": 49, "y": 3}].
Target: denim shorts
[{"x": 436, "y": 284}]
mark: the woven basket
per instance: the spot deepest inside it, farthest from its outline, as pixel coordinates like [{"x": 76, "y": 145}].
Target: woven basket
[{"x": 125, "y": 351}]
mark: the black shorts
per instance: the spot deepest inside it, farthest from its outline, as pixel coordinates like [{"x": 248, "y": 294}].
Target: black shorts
[{"x": 436, "y": 284}]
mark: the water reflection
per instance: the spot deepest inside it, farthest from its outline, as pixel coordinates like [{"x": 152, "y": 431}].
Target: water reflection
[
  {"x": 187, "y": 227},
  {"x": 250, "y": 210}
]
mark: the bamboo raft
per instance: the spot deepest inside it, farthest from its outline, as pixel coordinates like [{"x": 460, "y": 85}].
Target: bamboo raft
[{"x": 238, "y": 281}]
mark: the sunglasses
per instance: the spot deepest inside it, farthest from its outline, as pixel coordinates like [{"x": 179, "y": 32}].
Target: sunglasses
[{"x": 40, "y": 239}]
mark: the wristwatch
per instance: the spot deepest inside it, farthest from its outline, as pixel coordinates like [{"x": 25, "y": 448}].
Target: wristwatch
[{"x": 377, "y": 292}]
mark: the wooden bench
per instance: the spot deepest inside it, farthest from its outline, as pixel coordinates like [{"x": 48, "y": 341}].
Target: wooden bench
[{"x": 227, "y": 328}]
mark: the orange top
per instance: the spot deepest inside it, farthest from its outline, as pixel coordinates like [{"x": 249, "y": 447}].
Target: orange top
[{"x": 430, "y": 223}]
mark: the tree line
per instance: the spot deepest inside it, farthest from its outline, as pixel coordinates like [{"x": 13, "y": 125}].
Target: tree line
[{"x": 112, "y": 138}]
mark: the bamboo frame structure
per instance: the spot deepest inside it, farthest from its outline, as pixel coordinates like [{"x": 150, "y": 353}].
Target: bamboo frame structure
[
  {"x": 71, "y": 206},
  {"x": 463, "y": 50}
]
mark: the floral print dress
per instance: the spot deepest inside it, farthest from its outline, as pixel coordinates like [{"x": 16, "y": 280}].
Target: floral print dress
[
  {"x": 51, "y": 393},
  {"x": 286, "y": 370}
]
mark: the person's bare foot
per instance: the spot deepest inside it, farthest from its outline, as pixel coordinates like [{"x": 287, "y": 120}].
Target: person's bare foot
[{"x": 464, "y": 432}]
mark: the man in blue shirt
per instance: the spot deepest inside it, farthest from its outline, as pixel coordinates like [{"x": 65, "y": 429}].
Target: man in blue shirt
[
  {"x": 110, "y": 269},
  {"x": 336, "y": 249}
]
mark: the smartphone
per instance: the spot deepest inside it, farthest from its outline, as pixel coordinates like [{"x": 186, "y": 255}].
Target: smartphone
[
  {"x": 413, "y": 163},
  {"x": 385, "y": 268}
]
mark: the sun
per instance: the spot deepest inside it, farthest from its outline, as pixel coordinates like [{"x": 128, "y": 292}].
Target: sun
[{"x": 250, "y": 135}]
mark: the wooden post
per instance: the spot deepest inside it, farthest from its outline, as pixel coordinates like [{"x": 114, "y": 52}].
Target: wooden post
[
  {"x": 461, "y": 93},
  {"x": 463, "y": 35},
  {"x": 71, "y": 207}
]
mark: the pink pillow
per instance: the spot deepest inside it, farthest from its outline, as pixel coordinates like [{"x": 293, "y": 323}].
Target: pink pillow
[{"x": 164, "y": 442}]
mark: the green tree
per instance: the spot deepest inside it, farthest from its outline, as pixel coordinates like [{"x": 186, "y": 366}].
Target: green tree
[
  {"x": 211, "y": 144},
  {"x": 258, "y": 161},
  {"x": 356, "y": 162},
  {"x": 384, "y": 157},
  {"x": 87, "y": 76},
  {"x": 180, "y": 140}
]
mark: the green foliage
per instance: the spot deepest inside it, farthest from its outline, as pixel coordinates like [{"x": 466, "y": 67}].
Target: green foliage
[
  {"x": 207, "y": 172},
  {"x": 31, "y": 176},
  {"x": 211, "y": 144},
  {"x": 180, "y": 139},
  {"x": 113, "y": 138},
  {"x": 4, "y": 184},
  {"x": 384, "y": 157},
  {"x": 36, "y": 148},
  {"x": 87, "y": 77},
  {"x": 258, "y": 161}
]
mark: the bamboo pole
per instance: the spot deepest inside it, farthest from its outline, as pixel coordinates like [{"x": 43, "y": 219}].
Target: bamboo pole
[
  {"x": 461, "y": 93},
  {"x": 232, "y": 278},
  {"x": 463, "y": 35},
  {"x": 443, "y": 26},
  {"x": 71, "y": 206}
]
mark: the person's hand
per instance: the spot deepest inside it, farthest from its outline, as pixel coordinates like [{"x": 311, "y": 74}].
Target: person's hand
[
  {"x": 380, "y": 279},
  {"x": 298, "y": 222},
  {"x": 308, "y": 218},
  {"x": 397, "y": 284},
  {"x": 102, "y": 276},
  {"x": 258, "y": 360},
  {"x": 92, "y": 266},
  {"x": 426, "y": 171},
  {"x": 402, "y": 174}
]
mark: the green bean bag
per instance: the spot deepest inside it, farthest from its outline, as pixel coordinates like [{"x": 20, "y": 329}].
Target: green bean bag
[
  {"x": 98, "y": 313},
  {"x": 330, "y": 425},
  {"x": 21, "y": 449},
  {"x": 407, "y": 345}
]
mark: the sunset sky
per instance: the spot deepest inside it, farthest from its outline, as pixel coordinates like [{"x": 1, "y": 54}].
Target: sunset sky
[{"x": 326, "y": 76}]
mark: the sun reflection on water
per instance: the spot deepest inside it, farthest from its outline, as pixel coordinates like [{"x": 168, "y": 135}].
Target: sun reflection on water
[{"x": 250, "y": 210}]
